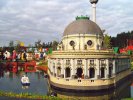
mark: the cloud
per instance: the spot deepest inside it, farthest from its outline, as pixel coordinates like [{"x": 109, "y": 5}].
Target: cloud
[
  {"x": 31, "y": 20},
  {"x": 116, "y": 17}
]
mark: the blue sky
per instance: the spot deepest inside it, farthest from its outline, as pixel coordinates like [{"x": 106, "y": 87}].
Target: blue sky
[{"x": 31, "y": 20}]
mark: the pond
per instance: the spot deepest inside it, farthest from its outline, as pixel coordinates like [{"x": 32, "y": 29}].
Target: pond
[{"x": 11, "y": 82}]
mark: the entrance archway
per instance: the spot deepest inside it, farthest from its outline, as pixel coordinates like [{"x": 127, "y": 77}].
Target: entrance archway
[
  {"x": 102, "y": 72},
  {"x": 68, "y": 72},
  {"x": 92, "y": 72},
  {"x": 79, "y": 72}
]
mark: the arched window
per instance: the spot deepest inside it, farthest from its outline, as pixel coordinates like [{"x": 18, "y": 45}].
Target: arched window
[
  {"x": 58, "y": 71},
  {"x": 67, "y": 72},
  {"x": 92, "y": 72},
  {"x": 102, "y": 72},
  {"x": 79, "y": 72}
]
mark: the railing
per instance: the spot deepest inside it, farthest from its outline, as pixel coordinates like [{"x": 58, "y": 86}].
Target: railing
[{"x": 81, "y": 82}]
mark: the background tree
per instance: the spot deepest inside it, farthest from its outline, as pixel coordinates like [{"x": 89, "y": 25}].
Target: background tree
[
  {"x": 38, "y": 44},
  {"x": 121, "y": 39},
  {"x": 11, "y": 44},
  {"x": 54, "y": 45},
  {"x": 17, "y": 47},
  {"x": 107, "y": 39}
]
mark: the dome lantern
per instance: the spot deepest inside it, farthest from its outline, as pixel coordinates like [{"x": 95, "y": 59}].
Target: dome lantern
[{"x": 93, "y": 1}]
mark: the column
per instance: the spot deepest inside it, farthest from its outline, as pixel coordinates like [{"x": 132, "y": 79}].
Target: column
[
  {"x": 55, "y": 67},
  {"x": 62, "y": 68},
  {"x": 86, "y": 69},
  {"x": 73, "y": 68},
  {"x": 107, "y": 69},
  {"x": 114, "y": 66},
  {"x": 98, "y": 68},
  {"x": 64, "y": 61},
  {"x": 50, "y": 65},
  {"x": 64, "y": 73}
]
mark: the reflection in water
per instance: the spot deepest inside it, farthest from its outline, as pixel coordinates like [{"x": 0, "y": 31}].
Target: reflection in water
[
  {"x": 116, "y": 94},
  {"x": 11, "y": 82},
  {"x": 1, "y": 71}
]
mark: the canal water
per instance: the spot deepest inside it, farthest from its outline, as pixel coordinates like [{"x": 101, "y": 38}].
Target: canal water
[
  {"x": 11, "y": 82},
  {"x": 120, "y": 92}
]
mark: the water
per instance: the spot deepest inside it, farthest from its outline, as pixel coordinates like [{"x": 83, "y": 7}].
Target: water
[
  {"x": 120, "y": 92},
  {"x": 11, "y": 82}
]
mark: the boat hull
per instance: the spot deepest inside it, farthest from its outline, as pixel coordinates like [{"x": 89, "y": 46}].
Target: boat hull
[{"x": 25, "y": 84}]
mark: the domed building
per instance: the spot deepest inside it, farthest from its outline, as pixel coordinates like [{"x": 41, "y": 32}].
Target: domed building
[{"x": 82, "y": 64}]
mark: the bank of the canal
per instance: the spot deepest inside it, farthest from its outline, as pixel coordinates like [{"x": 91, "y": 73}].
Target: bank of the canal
[{"x": 25, "y": 96}]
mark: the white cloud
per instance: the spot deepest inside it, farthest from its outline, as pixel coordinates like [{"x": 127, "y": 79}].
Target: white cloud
[{"x": 30, "y": 20}]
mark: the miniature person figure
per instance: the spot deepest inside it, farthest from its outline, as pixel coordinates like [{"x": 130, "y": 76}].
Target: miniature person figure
[
  {"x": 25, "y": 56},
  {"x": 41, "y": 55},
  {"x": 19, "y": 56},
  {"x": 14, "y": 55},
  {"x": 8, "y": 55},
  {"x": 5, "y": 55},
  {"x": 22, "y": 56}
]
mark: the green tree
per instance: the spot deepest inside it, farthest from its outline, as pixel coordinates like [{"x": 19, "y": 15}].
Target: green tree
[{"x": 107, "y": 43}]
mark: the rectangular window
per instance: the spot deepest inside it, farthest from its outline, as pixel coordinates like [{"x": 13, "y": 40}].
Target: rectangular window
[
  {"x": 102, "y": 62},
  {"x": 91, "y": 61},
  {"x": 79, "y": 62},
  {"x": 67, "y": 62}
]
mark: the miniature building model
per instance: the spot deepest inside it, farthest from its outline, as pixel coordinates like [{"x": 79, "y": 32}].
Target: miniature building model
[{"x": 82, "y": 64}]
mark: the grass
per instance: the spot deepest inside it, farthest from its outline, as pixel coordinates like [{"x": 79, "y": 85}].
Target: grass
[
  {"x": 128, "y": 99},
  {"x": 28, "y": 96}
]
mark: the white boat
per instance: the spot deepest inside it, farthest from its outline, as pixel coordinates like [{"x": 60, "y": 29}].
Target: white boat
[{"x": 25, "y": 81}]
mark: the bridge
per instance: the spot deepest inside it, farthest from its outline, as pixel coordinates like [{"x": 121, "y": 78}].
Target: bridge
[{"x": 15, "y": 66}]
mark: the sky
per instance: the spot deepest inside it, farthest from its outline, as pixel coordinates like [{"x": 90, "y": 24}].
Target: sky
[{"x": 32, "y": 20}]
